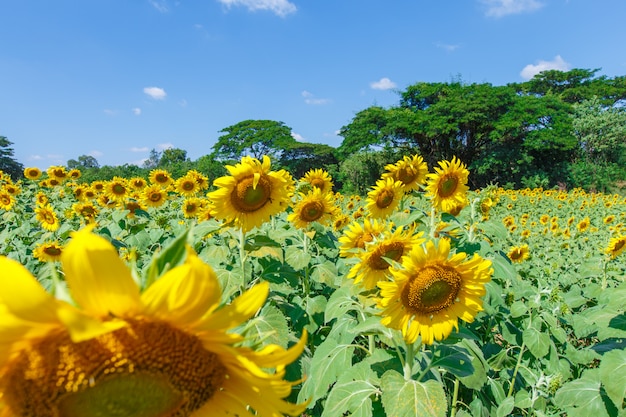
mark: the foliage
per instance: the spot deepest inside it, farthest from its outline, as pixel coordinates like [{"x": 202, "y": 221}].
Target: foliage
[
  {"x": 301, "y": 157},
  {"x": 359, "y": 171},
  {"x": 83, "y": 162},
  {"x": 8, "y": 164}
]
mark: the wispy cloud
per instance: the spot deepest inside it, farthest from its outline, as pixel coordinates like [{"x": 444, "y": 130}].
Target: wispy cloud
[
  {"x": 160, "y": 5},
  {"x": 279, "y": 7},
  {"x": 95, "y": 154},
  {"x": 156, "y": 93},
  {"x": 163, "y": 146},
  {"x": 500, "y": 8},
  {"x": 298, "y": 137},
  {"x": 448, "y": 47},
  {"x": 383, "y": 84},
  {"x": 110, "y": 112},
  {"x": 136, "y": 111},
  {"x": 139, "y": 149},
  {"x": 309, "y": 98},
  {"x": 557, "y": 63}
]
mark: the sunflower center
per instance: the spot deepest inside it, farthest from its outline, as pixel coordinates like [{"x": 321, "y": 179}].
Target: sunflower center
[
  {"x": 619, "y": 245},
  {"x": 391, "y": 251},
  {"x": 406, "y": 175},
  {"x": 162, "y": 178},
  {"x": 433, "y": 289},
  {"x": 312, "y": 211},
  {"x": 4, "y": 199},
  {"x": 318, "y": 183},
  {"x": 48, "y": 218},
  {"x": 52, "y": 251},
  {"x": 148, "y": 369},
  {"x": 384, "y": 199},
  {"x": 118, "y": 189},
  {"x": 155, "y": 197},
  {"x": 188, "y": 185},
  {"x": 248, "y": 198},
  {"x": 448, "y": 185},
  {"x": 362, "y": 240}
]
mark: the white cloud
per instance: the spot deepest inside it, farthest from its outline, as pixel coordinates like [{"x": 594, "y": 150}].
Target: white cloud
[
  {"x": 110, "y": 112},
  {"x": 279, "y": 7},
  {"x": 310, "y": 99},
  {"x": 499, "y": 8},
  {"x": 383, "y": 84},
  {"x": 162, "y": 146},
  {"x": 156, "y": 93},
  {"x": 95, "y": 154},
  {"x": 448, "y": 47},
  {"x": 35, "y": 158},
  {"x": 160, "y": 5},
  {"x": 138, "y": 149},
  {"x": 557, "y": 63},
  {"x": 136, "y": 111},
  {"x": 298, "y": 137}
]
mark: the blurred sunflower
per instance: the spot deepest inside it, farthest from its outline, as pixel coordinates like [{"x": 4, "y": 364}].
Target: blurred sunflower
[
  {"x": 583, "y": 225},
  {"x": 616, "y": 246},
  {"x": 7, "y": 201},
  {"x": 191, "y": 207},
  {"x": 384, "y": 197},
  {"x": 169, "y": 351},
  {"x": 57, "y": 173},
  {"x": 117, "y": 189},
  {"x": 161, "y": 177},
  {"x": 74, "y": 174},
  {"x": 314, "y": 206},
  {"x": 98, "y": 186},
  {"x": 32, "y": 173},
  {"x": 47, "y": 217},
  {"x": 251, "y": 194},
  {"x": 358, "y": 235},
  {"x": 48, "y": 251},
  {"x": 319, "y": 178},
  {"x": 411, "y": 171},
  {"x": 154, "y": 195},
  {"x": 187, "y": 186},
  {"x": 609, "y": 219},
  {"x": 373, "y": 265},
  {"x": 133, "y": 206},
  {"x": 12, "y": 189},
  {"x": 137, "y": 183},
  {"x": 519, "y": 254},
  {"x": 432, "y": 290},
  {"x": 87, "y": 210},
  {"x": 447, "y": 187},
  {"x": 201, "y": 179}
]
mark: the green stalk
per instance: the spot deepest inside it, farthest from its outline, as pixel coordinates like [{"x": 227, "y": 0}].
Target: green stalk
[
  {"x": 409, "y": 360},
  {"x": 432, "y": 223},
  {"x": 305, "y": 281},
  {"x": 455, "y": 396},
  {"x": 519, "y": 362},
  {"x": 242, "y": 257}
]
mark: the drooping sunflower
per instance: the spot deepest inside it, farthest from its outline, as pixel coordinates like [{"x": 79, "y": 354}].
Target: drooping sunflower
[
  {"x": 168, "y": 351},
  {"x": 314, "y": 206},
  {"x": 154, "y": 195},
  {"x": 432, "y": 290},
  {"x": 187, "y": 186},
  {"x": 32, "y": 173},
  {"x": 161, "y": 177},
  {"x": 519, "y": 254},
  {"x": 251, "y": 194},
  {"x": 117, "y": 189},
  {"x": 358, "y": 235},
  {"x": 447, "y": 187},
  {"x": 7, "y": 201},
  {"x": 616, "y": 246},
  {"x": 373, "y": 265},
  {"x": 48, "y": 251},
  {"x": 319, "y": 178},
  {"x": 47, "y": 217},
  {"x": 384, "y": 197},
  {"x": 411, "y": 171}
]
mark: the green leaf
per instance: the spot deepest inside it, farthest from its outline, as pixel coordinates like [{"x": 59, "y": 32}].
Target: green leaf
[
  {"x": 505, "y": 407},
  {"x": 613, "y": 375},
  {"x": 326, "y": 273},
  {"x": 479, "y": 377},
  {"x": 297, "y": 258},
  {"x": 270, "y": 326},
  {"x": 340, "y": 303},
  {"x": 538, "y": 343},
  {"x": 582, "y": 397},
  {"x": 168, "y": 258},
  {"x": 453, "y": 359},
  {"x": 518, "y": 309},
  {"x": 350, "y": 397},
  {"x": 402, "y": 398}
]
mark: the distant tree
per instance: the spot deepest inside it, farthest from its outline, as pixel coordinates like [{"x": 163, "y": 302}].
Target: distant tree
[
  {"x": 153, "y": 160},
  {"x": 254, "y": 138},
  {"x": 172, "y": 156},
  {"x": 301, "y": 157},
  {"x": 83, "y": 162},
  {"x": 8, "y": 164}
]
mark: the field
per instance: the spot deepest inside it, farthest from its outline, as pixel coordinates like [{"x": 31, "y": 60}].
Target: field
[{"x": 312, "y": 305}]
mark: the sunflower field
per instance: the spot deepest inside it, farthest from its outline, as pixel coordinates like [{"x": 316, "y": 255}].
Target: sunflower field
[{"x": 261, "y": 294}]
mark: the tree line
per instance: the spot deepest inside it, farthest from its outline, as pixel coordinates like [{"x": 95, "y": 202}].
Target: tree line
[{"x": 561, "y": 128}]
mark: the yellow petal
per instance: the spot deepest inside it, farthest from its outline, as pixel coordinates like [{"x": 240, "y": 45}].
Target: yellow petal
[
  {"x": 99, "y": 280},
  {"x": 183, "y": 294},
  {"x": 241, "y": 309},
  {"x": 273, "y": 355}
]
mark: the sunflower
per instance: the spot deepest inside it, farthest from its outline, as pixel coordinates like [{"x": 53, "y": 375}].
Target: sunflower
[
  {"x": 373, "y": 265},
  {"x": 133, "y": 206},
  {"x": 315, "y": 206},
  {"x": 32, "y": 173},
  {"x": 98, "y": 186},
  {"x": 354, "y": 239},
  {"x": 191, "y": 207},
  {"x": 447, "y": 187},
  {"x": 74, "y": 174},
  {"x": 251, "y": 194},
  {"x": 318, "y": 178},
  {"x": 411, "y": 171},
  {"x": 609, "y": 219},
  {"x": 12, "y": 189},
  {"x": 519, "y": 254},
  {"x": 47, "y": 217},
  {"x": 48, "y": 251},
  {"x": 583, "y": 225},
  {"x": 432, "y": 290},
  {"x": 167, "y": 351},
  {"x": 57, "y": 173},
  {"x": 201, "y": 179},
  {"x": 87, "y": 210},
  {"x": 7, "y": 201},
  {"x": 187, "y": 186},
  {"x": 137, "y": 183},
  {"x": 117, "y": 189},
  {"x": 154, "y": 195},
  {"x": 616, "y": 246},
  {"x": 161, "y": 177},
  {"x": 384, "y": 197}
]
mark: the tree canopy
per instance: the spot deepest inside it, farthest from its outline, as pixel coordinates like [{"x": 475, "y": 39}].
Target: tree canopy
[{"x": 8, "y": 164}]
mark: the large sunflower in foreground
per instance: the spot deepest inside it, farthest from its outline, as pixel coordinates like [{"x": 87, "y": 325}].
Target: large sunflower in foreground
[
  {"x": 447, "y": 186},
  {"x": 314, "y": 206},
  {"x": 251, "y": 194},
  {"x": 121, "y": 353},
  {"x": 411, "y": 171},
  {"x": 384, "y": 197},
  {"x": 432, "y": 290},
  {"x": 374, "y": 265}
]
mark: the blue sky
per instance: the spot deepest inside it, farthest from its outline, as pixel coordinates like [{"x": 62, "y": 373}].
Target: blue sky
[{"x": 116, "y": 78}]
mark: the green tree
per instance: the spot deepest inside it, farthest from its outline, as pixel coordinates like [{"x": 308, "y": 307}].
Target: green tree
[
  {"x": 255, "y": 138},
  {"x": 154, "y": 159},
  {"x": 301, "y": 157},
  {"x": 8, "y": 164},
  {"x": 83, "y": 162},
  {"x": 171, "y": 156}
]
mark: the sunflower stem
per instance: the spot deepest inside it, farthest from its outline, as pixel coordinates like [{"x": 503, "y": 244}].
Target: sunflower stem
[
  {"x": 242, "y": 257},
  {"x": 455, "y": 397},
  {"x": 432, "y": 223},
  {"x": 305, "y": 281},
  {"x": 409, "y": 360},
  {"x": 519, "y": 362}
]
